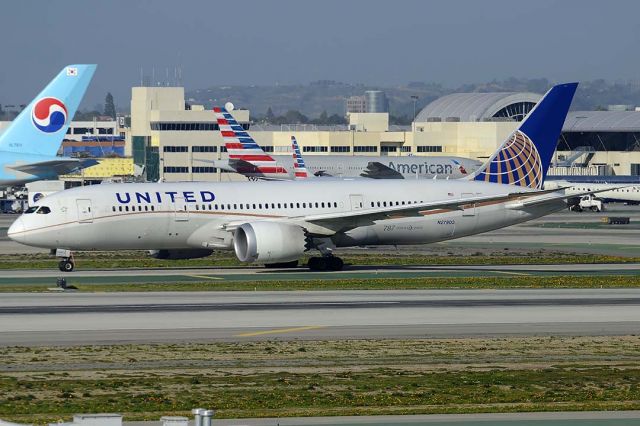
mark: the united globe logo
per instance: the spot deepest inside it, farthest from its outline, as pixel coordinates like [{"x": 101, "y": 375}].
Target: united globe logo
[
  {"x": 517, "y": 163},
  {"x": 49, "y": 115}
]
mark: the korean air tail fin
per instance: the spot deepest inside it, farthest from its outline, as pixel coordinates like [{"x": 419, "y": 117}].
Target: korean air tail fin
[
  {"x": 524, "y": 158},
  {"x": 41, "y": 126},
  {"x": 241, "y": 146},
  {"x": 299, "y": 168}
]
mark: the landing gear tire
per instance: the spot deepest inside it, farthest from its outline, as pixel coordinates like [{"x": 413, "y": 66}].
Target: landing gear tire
[
  {"x": 330, "y": 263},
  {"x": 334, "y": 263},
  {"x": 66, "y": 265},
  {"x": 292, "y": 264}
]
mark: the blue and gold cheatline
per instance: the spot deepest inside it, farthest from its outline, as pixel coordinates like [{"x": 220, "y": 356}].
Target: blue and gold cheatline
[{"x": 517, "y": 163}]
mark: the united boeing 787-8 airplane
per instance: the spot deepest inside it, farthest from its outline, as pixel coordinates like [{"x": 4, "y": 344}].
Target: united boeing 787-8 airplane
[{"x": 277, "y": 222}]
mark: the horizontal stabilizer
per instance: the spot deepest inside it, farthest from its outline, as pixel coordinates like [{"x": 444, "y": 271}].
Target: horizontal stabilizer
[{"x": 377, "y": 170}]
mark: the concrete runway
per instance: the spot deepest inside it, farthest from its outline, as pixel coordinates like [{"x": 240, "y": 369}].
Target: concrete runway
[
  {"x": 588, "y": 418},
  {"x": 86, "y": 318},
  {"x": 582, "y": 418},
  {"x": 133, "y": 276}
]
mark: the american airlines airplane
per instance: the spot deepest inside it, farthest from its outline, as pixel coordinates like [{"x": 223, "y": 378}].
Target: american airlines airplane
[
  {"x": 28, "y": 147},
  {"x": 275, "y": 223},
  {"x": 253, "y": 162}
]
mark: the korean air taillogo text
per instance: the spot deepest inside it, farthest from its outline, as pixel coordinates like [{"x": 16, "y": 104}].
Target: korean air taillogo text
[{"x": 49, "y": 115}]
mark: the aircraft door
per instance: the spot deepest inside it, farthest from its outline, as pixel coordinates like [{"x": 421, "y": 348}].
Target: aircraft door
[
  {"x": 180, "y": 210},
  {"x": 468, "y": 209},
  {"x": 356, "y": 202},
  {"x": 85, "y": 215}
]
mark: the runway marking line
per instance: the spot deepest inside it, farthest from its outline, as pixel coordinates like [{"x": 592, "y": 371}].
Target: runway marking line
[
  {"x": 209, "y": 277},
  {"x": 280, "y": 330}
]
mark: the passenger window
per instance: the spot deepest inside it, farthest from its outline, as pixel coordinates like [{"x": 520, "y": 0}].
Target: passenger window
[
  {"x": 297, "y": 205},
  {"x": 146, "y": 208},
  {"x": 153, "y": 208},
  {"x": 304, "y": 205},
  {"x": 323, "y": 205},
  {"x": 260, "y": 206},
  {"x": 113, "y": 208},
  {"x": 335, "y": 204}
]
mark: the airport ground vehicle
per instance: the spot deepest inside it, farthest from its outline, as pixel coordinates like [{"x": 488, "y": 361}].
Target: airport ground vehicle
[{"x": 588, "y": 202}]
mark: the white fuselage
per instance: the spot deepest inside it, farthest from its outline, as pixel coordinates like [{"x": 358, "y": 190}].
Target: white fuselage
[
  {"x": 155, "y": 216},
  {"x": 618, "y": 192}
]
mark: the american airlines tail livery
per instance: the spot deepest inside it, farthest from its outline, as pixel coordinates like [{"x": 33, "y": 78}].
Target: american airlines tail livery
[
  {"x": 28, "y": 147},
  {"x": 276, "y": 222}
]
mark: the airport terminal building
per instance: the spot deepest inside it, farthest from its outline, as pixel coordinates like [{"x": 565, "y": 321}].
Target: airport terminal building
[
  {"x": 176, "y": 142},
  {"x": 170, "y": 140}
]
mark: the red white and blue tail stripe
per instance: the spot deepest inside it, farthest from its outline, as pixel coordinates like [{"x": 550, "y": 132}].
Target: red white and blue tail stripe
[
  {"x": 299, "y": 169},
  {"x": 241, "y": 146}
]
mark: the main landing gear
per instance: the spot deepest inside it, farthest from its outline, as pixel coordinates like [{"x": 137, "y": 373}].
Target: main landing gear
[
  {"x": 67, "y": 263},
  {"x": 325, "y": 263}
]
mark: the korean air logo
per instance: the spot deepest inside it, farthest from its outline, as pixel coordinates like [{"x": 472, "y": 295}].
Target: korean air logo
[{"x": 49, "y": 115}]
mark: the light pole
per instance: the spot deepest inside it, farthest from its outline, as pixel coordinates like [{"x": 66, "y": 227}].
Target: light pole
[{"x": 415, "y": 101}]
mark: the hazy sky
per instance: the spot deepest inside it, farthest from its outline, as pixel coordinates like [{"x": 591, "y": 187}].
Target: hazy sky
[{"x": 377, "y": 42}]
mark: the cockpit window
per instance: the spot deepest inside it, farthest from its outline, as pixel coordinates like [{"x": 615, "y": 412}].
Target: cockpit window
[
  {"x": 43, "y": 210},
  {"x": 31, "y": 209}
]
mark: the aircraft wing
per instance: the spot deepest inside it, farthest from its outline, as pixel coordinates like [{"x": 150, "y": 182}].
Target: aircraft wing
[
  {"x": 55, "y": 167},
  {"x": 377, "y": 170},
  {"x": 330, "y": 223}
]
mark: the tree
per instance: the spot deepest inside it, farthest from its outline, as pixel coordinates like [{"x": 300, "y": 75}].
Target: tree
[
  {"x": 269, "y": 117},
  {"x": 109, "y": 106}
]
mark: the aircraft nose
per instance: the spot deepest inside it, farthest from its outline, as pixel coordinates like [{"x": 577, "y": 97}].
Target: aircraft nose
[{"x": 16, "y": 230}]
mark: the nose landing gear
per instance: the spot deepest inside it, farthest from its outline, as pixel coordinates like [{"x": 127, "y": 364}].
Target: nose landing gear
[{"x": 67, "y": 263}]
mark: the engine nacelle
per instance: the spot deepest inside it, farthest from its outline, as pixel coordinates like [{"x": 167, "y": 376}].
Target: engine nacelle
[
  {"x": 180, "y": 254},
  {"x": 269, "y": 242}
]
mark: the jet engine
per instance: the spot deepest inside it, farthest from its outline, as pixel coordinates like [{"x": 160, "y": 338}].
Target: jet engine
[
  {"x": 180, "y": 254},
  {"x": 269, "y": 242}
]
